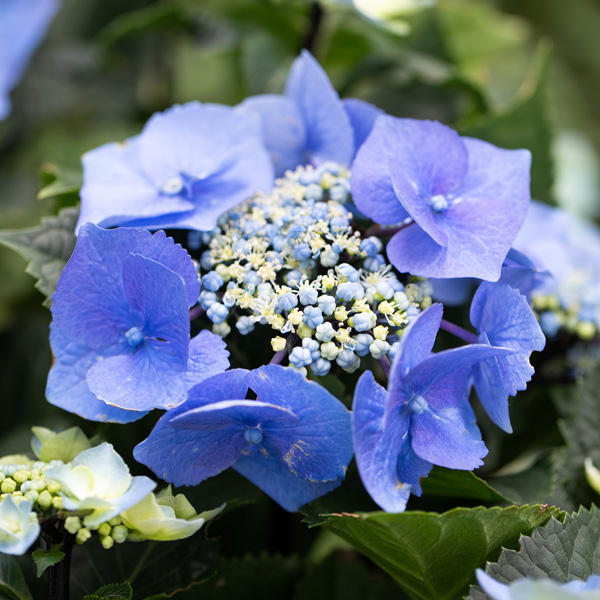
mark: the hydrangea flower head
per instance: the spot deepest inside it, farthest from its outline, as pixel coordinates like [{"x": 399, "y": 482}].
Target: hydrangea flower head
[
  {"x": 421, "y": 420},
  {"x": 293, "y": 441},
  {"x": 309, "y": 124},
  {"x": 98, "y": 480},
  {"x": 23, "y": 24},
  {"x": 19, "y": 525},
  {"x": 504, "y": 318},
  {"x": 531, "y": 589},
  {"x": 190, "y": 164},
  {"x": 120, "y": 332},
  {"x": 465, "y": 199}
]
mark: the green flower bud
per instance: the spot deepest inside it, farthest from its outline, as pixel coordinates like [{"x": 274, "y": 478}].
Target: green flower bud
[
  {"x": 53, "y": 487},
  {"x": 32, "y": 495},
  {"x": 57, "y": 502},
  {"x": 83, "y": 535},
  {"x": 119, "y": 533},
  {"x": 45, "y": 499},
  {"x": 8, "y": 486},
  {"x": 21, "y": 476},
  {"x": 104, "y": 529},
  {"x": 115, "y": 521},
  {"x": 73, "y": 524},
  {"x": 107, "y": 542}
]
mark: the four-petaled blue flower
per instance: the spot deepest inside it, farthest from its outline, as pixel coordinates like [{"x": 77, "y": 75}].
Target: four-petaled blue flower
[
  {"x": 23, "y": 24},
  {"x": 120, "y": 332},
  {"x": 503, "y": 317},
  {"x": 421, "y": 420},
  {"x": 293, "y": 442},
  {"x": 190, "y": 164},
  {"x": 310, "y": 124},
  {"x": 466, "y": 198}
]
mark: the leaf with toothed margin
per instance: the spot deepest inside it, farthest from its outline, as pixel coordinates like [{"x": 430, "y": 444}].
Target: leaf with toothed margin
[
  {"x": 46, "y": 248},
  {"x": 567, "y": 551},
  {"x": 434, "y": 556}
]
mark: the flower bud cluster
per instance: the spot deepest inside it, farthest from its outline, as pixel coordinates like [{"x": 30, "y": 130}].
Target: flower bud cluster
[
  {"x": 28, "y": 481},
  {"x": 293, "y": 261}
]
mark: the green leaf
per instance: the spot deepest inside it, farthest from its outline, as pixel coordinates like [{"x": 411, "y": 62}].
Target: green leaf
[
  {"x": 562, "y": 551},
  {"x": 59, "y": 183},
  {"x": 114, "y": 591},
  {"x": 582, "y": 437},
  {"x": 433, "y": 556},
  {"x": 525, "y": 125},
  {"x": 12, "y": 582},
  {"x": 452, "y": 483},
  {"x": 46, "y": 558},
  {"x": 46, "y": 248},
  {"x": 64, "y": 446}
]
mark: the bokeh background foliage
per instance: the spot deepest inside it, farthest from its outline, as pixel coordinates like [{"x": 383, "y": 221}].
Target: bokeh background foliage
[{"x": 518, "y": 73}]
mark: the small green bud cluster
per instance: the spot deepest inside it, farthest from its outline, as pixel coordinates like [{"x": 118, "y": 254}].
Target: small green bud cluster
[
  {"x": 28, "y": 480},
  {"x": 554, "y": 315}
]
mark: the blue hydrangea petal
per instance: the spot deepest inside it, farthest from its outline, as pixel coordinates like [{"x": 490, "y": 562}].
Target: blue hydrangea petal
[
  {"x": 454, "y": 363},
  {"x": 378, "y": 448},
  {"x": 23, "y": 24},
  {"x": 506, "y": 318},
  {"x": 328, "y": 131},
  {"x": 267, "y": 472},
  {"x": 319, "y": 446},
  {"x": 411, "y": 468},
  {"x": 115, "y": 190},
  {"x": 445, "y": 439},
  {"x": 151, "y": 374},
  {"x": 283, "y": 130},
  {"x": 362, "y": 117},
  {"x": 207, "y": 356},
  {"x": 489, "y": 384},
  {"x": 224, "y": 386},
  {"x": 416, "y": 344},
  {"x": 370, "y": 181}
]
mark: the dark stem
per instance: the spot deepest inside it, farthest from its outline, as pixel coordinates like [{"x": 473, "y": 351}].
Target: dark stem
[
  {"x": 459, "y": 332},
  {"x": 383, "y": 232},
  {"x": 59, "y": 574},
  {"x": 316, "y": 17},
  {"x": 386, "y": 365},
  {"x": 196, "y": 312}
]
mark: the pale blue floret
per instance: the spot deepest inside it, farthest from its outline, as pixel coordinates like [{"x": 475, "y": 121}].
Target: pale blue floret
[
  {"x": 302, "y": 251},
  {"x": 325, "y": 332},
  {"x": 345, "y": 358},
  {"x": 217, "y": 313},
  {"x": 313, "y": 347},
  {"x": 329, "y": 258},
  {"x": 295, "y": 231},
  {"x": 379, "y": 348},
  {"x": 293, "y": 278},
  {"x": 313, "y": 192},
  {"x": 207, "y": 299},
  {"x": 350, "y": 291},
  {"x": 439, "y": 203},
  {"x": 245, "y": 325},
  {"x": 134, "y": 336},
  {"x": 327, "y": 304},
  {"x": 287, "y": 302},
  {"x": 212, "y": 281},
  {"x": 207, "y": 262},
  {"x": 228, "y": 300},
  {"x": 418, "y": 405},
  {"x": 362, "y": 321},
  {"x": 393, "y": 350},
  {"x": 320, "y": 367},
  {"x": 308, "y": 295},
  {"x": 363, "y": 341},
  {"x": 374, "y": 263},
  {"x": 339, "y": 223},
  {"x": 313, "y": 316},
  {"x": 300, "y": 357},
  {"x": 339, "y": 193},
  {"x": 385, "y": 290},
  {"x": 401, "y": 300},
  {"x": 371, "y": 246},
  {"x": 349, "y": 272},
  {"x": 320, "y": 211}
]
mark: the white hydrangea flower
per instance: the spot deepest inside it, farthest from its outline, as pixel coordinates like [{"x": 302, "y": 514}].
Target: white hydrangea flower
[
  {"x": 165, "y": 517},
  {"x": 99, "y": 480},
  {"x": 19, "y": 526}
]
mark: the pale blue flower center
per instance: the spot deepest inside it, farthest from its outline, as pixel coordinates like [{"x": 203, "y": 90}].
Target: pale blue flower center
[
  {"x": 172, "y": 185},
  {"x": 418, "y": 405},
  {"x": 253, "y": 435},
  {"x": 134, "y": 336},
  {"x": 438, "y": 203}
]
